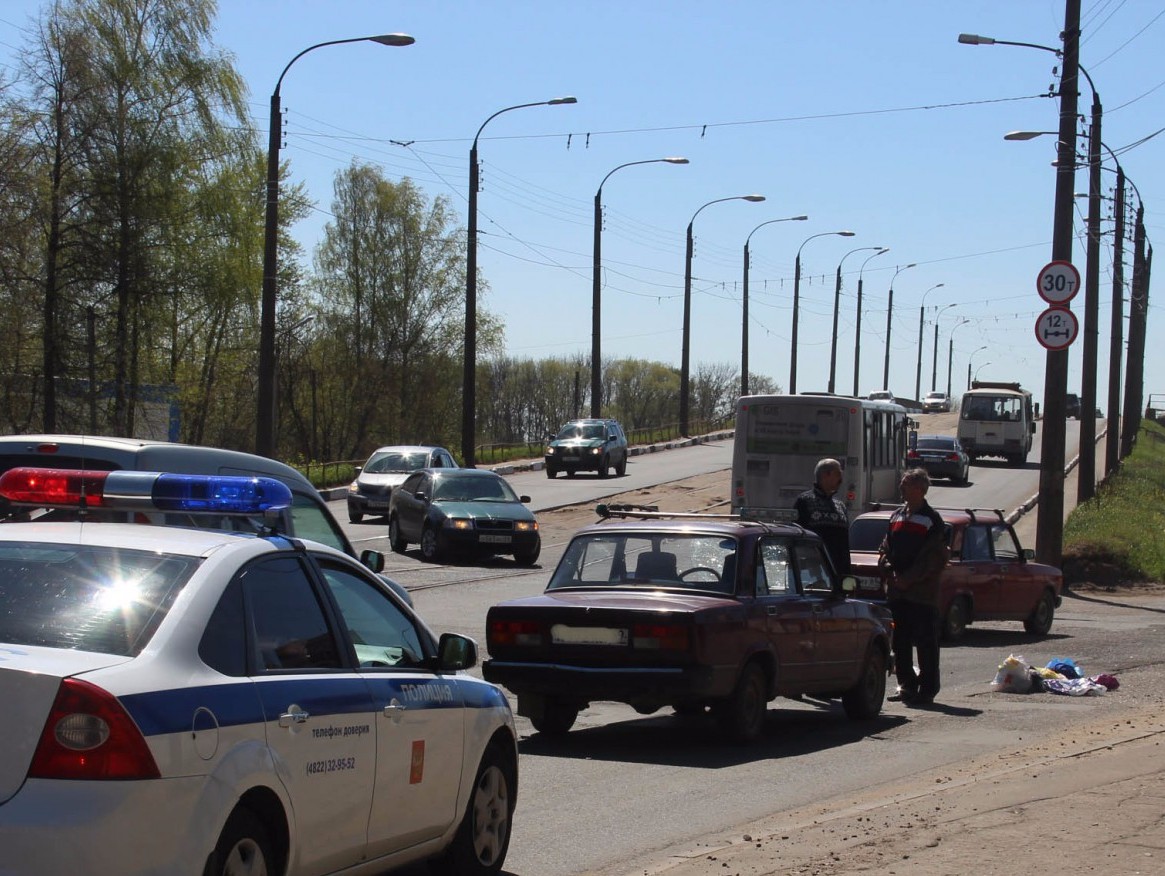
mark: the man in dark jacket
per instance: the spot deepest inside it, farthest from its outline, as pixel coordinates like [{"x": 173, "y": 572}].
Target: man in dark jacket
[
  {"x": 820, "y": 510},
  {"x": 915, "y": 551}
]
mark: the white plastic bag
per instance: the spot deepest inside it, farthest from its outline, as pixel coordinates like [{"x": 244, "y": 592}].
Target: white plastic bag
[{"x": 1014, "y": 676}]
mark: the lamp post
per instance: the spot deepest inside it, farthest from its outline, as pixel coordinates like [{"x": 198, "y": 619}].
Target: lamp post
[
  {"x": 858, "y": 321},
  {"x": 265, "y": 411},
  {"x": 685, "y": 352},
  {"x": 1050, "y": 520},
  {"x": 889, "y": 318},
  {"x": 980, "y": 368},
  {"x": 969, "y": 360},
  {"x": 934, "y": 354},
  {"x": 596, "y": 291},
  {"x": 836, "y": 304},
  {"x": 918, "y": 367},
  {"x": 951, "y": 352},
  {"x": 744, "y": 315},
  {"x": 797, "y": 304},
  {"x": 469, "y": 378}
]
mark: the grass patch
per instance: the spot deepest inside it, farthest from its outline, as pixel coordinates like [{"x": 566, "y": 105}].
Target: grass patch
[{"x": 1119, "y": 535}]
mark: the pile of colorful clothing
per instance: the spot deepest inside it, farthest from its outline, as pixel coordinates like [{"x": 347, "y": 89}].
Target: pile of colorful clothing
[{"x": 1061, "y": 675}]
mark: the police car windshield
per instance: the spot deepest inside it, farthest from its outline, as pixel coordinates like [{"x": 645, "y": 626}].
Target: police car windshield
[{"x": 102, "y": 599}]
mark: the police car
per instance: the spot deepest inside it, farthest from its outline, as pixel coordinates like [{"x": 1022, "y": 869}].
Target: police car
[{"x": 197, "y": 701}]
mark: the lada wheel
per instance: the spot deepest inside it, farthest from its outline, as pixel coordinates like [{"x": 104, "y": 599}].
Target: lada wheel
[
  {"x": 955, "y": 623},
  {"x": 244, "y": 848},
  {"x": 479, "y": 848},
  {"x": 742, "y": 715},
  {"x": 557, "y": 718},
  {"x": 1039, "y": 622},
  {"x": 864, "y": 700},
  {"x": 396, "y": 540}
]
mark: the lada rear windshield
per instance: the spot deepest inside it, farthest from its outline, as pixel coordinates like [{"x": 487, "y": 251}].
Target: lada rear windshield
[
  {"x": 102, "y": 599},
  {"x": 649, "y": 561}
]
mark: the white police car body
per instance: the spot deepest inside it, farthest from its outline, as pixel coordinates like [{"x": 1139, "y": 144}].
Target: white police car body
[{"x": 196, "y": 701}]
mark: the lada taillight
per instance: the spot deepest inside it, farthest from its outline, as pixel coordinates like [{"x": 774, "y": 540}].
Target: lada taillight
[
  {"x": 89, "y": 735},
  {"x": 662, "y": 637},
  {"x": 505, "y": 632}
]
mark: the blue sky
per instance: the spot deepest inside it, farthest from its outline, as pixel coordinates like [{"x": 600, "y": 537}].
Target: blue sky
[{"x": 865, "y": 116}]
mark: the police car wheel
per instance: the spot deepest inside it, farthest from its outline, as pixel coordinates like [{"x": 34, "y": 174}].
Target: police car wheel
[
  {"x": 244, "y": 848},
  {"x": 482, "y": 840}
]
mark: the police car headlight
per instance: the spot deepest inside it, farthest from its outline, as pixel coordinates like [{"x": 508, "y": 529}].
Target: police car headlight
[{"x": 459, "y": 523}]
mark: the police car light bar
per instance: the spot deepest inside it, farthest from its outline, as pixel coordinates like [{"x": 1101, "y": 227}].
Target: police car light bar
[{"x": 143, "y": 491}]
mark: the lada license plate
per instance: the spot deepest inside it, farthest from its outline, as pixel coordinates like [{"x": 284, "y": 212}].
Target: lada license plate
[
  {"x": 494, "y": 539},
  {"x": 561, "y": 634}
]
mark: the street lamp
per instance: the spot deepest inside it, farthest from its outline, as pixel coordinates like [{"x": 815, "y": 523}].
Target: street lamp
[
  {"x": 918, "y": 367},
  {"x": 889, "y": 317},
  {"x": 469, "y": 378},
  {"x": 951, "y": 352},
  {"x": 1050, "y": 520},
  {"x": 797, "y": 304},
  {"x": 744, "y": 317},
  {"x": 980, "y": 368},
  {"x": 684, "y": 355},
  {"x": 858, "y": 322},
  {"x": 934, "y": 354},
  {"x": 265, "y": 412},
  {"x": 836, "y": 304},
  {"x": 596, "y": 293},
  {"x": 970, "y": 359}
]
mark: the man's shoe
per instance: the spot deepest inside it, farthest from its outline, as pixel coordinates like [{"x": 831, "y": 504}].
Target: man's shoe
[{"x": 903, "y": 695}]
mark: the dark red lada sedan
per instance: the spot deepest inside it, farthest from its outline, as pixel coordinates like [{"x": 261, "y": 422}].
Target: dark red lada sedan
[{"x": 699, "y": 613}]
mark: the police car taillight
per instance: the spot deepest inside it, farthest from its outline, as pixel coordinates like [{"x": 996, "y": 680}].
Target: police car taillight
[
  {"x": 143, "y": 491},
  {"x": 89, "y": 735}
]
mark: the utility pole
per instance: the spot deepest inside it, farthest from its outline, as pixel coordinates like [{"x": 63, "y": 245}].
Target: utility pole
[
  {"x": 1050, "y": 521},
  {"x": 1116, "y": 330},
  {"x": 1086, "y": 468},
  {"x": 1138, "y": 311}
]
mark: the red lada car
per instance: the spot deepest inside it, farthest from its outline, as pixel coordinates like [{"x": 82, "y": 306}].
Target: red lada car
[
  {"x": 989, "y": 577},
  {"x": 699, "y": 613}
]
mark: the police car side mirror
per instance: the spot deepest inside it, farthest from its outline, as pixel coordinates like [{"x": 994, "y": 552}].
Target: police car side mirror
[
  {"x": 456, "y": 652},
  {"x": 373, "y": 560}
]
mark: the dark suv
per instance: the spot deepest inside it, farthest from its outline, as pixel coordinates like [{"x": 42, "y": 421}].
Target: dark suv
[
  {"x": 1072, "y": 405},
  {"x": 587, "y": 445}
]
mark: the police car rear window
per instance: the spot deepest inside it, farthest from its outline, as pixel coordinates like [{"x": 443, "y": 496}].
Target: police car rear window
[{"x": 101, "y": 599}]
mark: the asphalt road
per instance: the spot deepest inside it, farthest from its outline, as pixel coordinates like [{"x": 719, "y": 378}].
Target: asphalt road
[{"x": 622, "y": 789}]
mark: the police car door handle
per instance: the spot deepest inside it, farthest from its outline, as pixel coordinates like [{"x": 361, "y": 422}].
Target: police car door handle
[
  {"x": 293, "y": 715},
  {"x": 395, "y": 709}
]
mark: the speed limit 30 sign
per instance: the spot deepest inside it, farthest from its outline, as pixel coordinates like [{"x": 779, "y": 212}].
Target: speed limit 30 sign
[
  {"x": 1057, "y": 328},
  {"x": 1058, "y": 282}
]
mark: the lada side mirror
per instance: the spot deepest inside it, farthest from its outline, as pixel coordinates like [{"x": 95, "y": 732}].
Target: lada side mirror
[{"x": 1029, "y": 554}]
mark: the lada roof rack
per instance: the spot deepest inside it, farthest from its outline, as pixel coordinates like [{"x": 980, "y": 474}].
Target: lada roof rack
[
  {"x": 993, "y": 512},
  {"x": 648, "y": 512}
]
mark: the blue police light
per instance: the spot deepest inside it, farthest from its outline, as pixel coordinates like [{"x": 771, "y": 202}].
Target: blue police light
[{"x": 219, "y": 494}]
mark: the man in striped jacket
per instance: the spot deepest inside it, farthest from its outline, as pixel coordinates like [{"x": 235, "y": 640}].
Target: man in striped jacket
[{"x": 915, "y": 550}]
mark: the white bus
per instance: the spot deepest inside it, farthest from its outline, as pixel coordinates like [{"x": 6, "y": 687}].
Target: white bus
[{"x": 780, "y": 439}]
